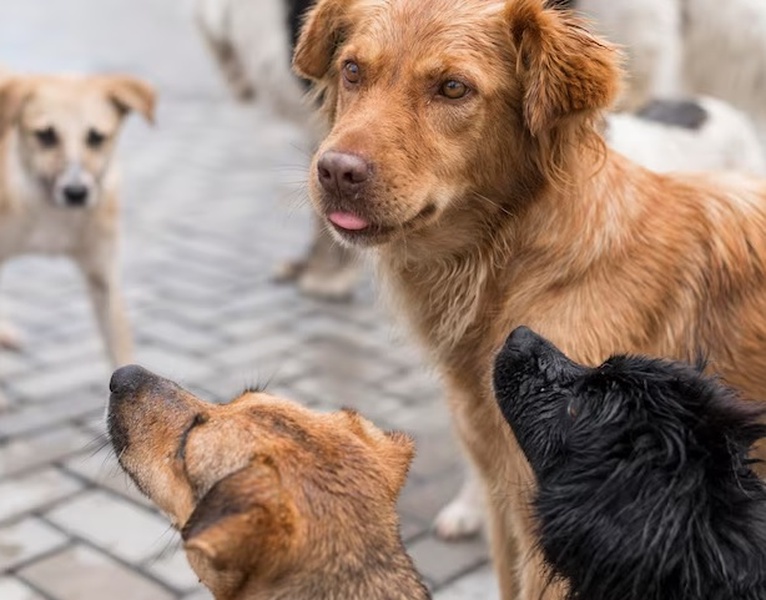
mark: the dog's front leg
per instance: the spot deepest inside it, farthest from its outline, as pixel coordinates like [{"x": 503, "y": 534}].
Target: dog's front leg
[
  {"x": 106, "y": 296},
  {"x": 463, "y": 517}
]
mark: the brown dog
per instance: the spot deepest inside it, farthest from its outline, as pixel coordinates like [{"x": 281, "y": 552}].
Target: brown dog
[
  {"x": 58, "y": 183},
  {"x": 273, "y": 501},
  {"x": 465, "y": 147}
]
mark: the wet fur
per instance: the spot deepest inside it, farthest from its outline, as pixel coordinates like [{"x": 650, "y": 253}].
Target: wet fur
[
  {"x": 510, "y": 210},
  {"x": 645, "y": 484}
]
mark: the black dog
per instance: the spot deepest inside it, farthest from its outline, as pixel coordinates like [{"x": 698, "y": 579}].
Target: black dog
[{"x": 645, "y": 487}]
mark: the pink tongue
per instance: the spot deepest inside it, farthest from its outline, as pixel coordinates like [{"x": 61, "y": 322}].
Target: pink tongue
[{"x": 348, "y": 221}]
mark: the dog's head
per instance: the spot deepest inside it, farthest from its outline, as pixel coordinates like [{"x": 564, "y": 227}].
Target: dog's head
[
  {"x": 66, "y": 129},
  {"x": 644, "y": 482},
  {"x": 263, "y": 490},
  {"x": 437, "y": 106}
]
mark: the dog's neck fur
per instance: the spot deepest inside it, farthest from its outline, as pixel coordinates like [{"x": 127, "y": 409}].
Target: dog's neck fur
[
  {"x": 380, "y": 570},
  {"x": 467, "y": 260}
]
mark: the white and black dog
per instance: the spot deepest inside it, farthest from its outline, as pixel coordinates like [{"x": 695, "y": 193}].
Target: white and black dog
[
  {"x": 645, "y": 485},
  {"x": 674, "y": 47}
]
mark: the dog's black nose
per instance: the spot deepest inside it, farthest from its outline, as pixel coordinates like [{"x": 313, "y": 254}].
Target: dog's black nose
[
  {"x": 524, "y": 341},
  {"x": 343, "y": 173},
  {"x": 128, "y": 380},
  {"x": 76, "y": 194}
]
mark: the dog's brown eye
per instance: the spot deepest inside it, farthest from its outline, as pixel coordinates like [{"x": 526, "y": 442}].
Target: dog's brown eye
[
  {"x": 351, "y": 72},
  {"x": 47, "y": 137},
  {"x": 454, "y": 90},
  {"x": 95, "y": 139}
]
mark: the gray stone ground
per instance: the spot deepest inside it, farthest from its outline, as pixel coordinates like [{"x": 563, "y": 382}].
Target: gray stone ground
[{"x": 212, "y": 201}]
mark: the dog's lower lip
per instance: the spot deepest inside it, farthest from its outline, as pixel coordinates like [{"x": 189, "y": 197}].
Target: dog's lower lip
[{"x": 348, "y": 221}]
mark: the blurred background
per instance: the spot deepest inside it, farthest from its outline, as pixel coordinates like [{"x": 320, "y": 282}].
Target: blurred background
[{"x": 212, "y": 202}]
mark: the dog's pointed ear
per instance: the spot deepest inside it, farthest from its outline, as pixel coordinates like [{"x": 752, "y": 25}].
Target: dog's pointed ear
[
  {"x": 397, "y": 457},
  {"x": 243, "y": 520},
  {"x": 564, "y": 69},
  {"x": 131, "y": 94},
  {"x": 14, "y": 93},
  {"x": 323, "y": 31},
  {"x": 395, "y": 449}
]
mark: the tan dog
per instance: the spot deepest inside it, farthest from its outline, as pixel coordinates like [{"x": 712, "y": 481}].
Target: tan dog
[
  {"x": 465, "y": 147},
  {"x": 58, "y": 186},
  {"x": 274, "y": 502}
]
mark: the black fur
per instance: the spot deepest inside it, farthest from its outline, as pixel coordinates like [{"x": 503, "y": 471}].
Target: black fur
[
  {"x": 645, "y": 487},
  {"x": 685, "y": 114}
]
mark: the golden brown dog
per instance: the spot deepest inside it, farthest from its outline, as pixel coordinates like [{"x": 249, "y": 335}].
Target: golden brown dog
[
  {"x": 274, "y": 502},
  {"x": 464, "y": 146},
  {"x": 58, "y": 184}
]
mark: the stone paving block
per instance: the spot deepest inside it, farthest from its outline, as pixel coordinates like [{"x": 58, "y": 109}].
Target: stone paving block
[
  {"x": 27, "y": 540},
  {"x": 31, "y": 417},
  {"x": 80, "y": 573},
  {"x": 13, "y": 589},
  {"x": 101, "y": 470},
  {"x": 424, "y": 498},
  {"x": 50, "y": 384},
  {"x": 478, "y": 585},
  {"x": 123, "y": 529},
  {"x": 28, "y": 452},
  {"x": 440, "y": 562},
  {"x": 172, "y": 568},
  {"x": 34, "y": 491},
  {"x": 202, "y": 594}
]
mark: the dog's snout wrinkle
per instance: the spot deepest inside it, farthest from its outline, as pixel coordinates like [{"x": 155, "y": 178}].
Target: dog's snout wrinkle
[{"x": 342, "y": 173}]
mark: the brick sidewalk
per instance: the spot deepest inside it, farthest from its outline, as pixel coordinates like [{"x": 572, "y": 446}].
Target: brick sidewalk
[{"x": 212, "y": 203}]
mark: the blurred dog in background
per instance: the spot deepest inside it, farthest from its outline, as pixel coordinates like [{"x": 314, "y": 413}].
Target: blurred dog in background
[
  {"x": 687, "y": 46},
  {"x": 251, "y": 41},
  {"x": 59, "y": 186}
]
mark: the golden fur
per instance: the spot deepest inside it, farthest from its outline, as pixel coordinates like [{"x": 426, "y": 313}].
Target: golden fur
[
  {"x": 273, "y": 501},
  {"x": 504, "y": 208}
]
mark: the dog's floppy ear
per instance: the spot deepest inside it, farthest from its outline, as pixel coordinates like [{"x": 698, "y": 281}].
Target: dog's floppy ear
[
  {"x": 129, "y": 93},
  {"x": 14, "y": 93},
  {"x": 245, "y": 519},
  {"x": 321, "y": 34},
  {"x": 564, "y": 69}
]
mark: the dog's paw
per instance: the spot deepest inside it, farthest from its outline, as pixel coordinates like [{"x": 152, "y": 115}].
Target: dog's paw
[
  {"x": 337, "y": 287},
  {"x": 459, "y": 520},
  {"x": 10, "y": 337}
]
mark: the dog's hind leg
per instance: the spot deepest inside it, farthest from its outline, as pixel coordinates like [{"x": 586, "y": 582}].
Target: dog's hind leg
[{"x": 464, "y": 516}]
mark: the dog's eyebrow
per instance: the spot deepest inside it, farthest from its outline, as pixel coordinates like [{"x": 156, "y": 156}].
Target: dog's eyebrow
[{"x": 199, "y": 419}]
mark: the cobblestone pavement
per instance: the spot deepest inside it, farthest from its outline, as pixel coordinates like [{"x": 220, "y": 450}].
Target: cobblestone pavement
[{"x": 212, "y": 201}]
